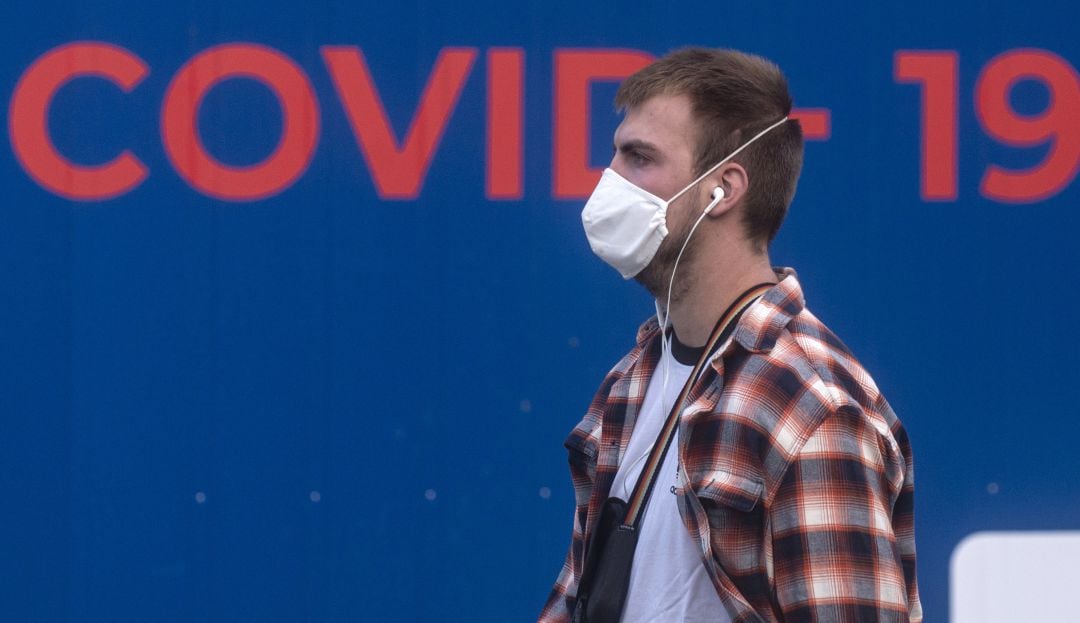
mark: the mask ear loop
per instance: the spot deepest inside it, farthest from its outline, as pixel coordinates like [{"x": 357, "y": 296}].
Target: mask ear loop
[{"x": 729, "y": 157}]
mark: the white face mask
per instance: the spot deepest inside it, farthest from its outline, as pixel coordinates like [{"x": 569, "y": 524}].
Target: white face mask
[{"x": 625, "y": 224}]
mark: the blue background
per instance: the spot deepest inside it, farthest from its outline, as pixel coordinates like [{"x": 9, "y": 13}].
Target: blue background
[{"x": 383, "y": 353}]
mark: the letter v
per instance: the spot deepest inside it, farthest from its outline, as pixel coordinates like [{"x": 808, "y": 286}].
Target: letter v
[{"x": 398, "y": 172}]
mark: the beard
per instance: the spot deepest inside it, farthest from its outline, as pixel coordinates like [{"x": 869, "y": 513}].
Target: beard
[{"x": 656, "y": 277}]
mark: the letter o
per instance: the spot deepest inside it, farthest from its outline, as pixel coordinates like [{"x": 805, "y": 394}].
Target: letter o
[{"x": 300, "y": 122}]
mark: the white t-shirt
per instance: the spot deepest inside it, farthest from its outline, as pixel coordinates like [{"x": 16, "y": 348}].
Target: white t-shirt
[{"x": 668, "y": 580}]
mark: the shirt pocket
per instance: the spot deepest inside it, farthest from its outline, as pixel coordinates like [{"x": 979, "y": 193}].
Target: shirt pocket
[
  {"x": 583, "y": 446},
  {"x": 583, "y": 442},
  {"x": 730, "y": 490},
  {"x": 732, "y": 505}
]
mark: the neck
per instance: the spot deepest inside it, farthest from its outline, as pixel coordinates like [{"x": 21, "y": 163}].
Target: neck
[{"x": 695, "y": 312}]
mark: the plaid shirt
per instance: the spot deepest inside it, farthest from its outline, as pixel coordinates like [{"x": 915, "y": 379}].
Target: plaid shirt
[{"x": 800, "y": 475}]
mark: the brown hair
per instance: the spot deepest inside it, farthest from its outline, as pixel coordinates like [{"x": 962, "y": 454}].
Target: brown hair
[{"x": 733, "y": 96}]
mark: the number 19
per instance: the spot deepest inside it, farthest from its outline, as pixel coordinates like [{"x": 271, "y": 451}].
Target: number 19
[{"x": 1057, "y": 125}]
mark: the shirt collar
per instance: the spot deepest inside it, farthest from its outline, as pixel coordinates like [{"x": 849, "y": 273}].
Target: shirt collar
[
  {"x": 766, "y": 319},
  {"x": 762, "y": 323}
]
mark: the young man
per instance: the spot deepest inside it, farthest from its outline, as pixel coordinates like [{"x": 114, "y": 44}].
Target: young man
[{"x": 787, "y": 492}]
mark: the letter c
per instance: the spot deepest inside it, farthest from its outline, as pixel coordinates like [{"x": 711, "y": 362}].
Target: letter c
[{"x": 28, "y": 121}]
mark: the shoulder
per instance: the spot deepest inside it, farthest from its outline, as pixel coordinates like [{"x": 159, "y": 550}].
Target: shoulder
[{"x": 795, "y": 382}]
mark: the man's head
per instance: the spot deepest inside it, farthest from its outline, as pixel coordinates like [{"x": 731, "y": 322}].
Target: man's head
[{"x": 730, "y": 96}]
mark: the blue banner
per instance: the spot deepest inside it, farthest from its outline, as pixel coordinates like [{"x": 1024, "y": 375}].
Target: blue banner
[{"x": 299, "y": 310}]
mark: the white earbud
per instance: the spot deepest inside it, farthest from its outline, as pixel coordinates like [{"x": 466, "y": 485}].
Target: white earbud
[{"x": 718, "y": 195}]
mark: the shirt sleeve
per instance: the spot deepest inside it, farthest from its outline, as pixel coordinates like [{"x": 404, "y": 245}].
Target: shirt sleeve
[
  {"x": 841, "y": 526},
  {"x": 560, "y": 603},
  {"x": 581, "y": 446}
]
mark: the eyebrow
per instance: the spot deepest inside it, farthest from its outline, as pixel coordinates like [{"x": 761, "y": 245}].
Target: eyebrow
[{"x": 636, "y": 145}]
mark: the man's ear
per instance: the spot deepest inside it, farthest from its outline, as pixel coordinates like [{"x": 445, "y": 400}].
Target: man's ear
[{"x": 726, "y": 187}]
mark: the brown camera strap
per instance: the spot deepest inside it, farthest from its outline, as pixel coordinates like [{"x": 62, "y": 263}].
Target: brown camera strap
[{"x": 651, "y": 470}]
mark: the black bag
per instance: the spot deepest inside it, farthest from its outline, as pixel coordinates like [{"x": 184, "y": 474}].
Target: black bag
[{"x": 606, "y": 577}]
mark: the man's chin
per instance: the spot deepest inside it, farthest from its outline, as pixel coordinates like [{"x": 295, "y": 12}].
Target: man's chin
[{"x": 651, "y": 280}]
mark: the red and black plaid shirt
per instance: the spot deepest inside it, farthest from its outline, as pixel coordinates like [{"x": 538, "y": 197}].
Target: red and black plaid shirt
[{"x": 800, "y": 483}]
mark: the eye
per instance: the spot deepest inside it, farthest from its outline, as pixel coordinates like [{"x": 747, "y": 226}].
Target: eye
[{"x": 637, "y": 158}]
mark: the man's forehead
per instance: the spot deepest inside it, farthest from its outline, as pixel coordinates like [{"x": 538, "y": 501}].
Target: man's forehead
[{"x": 663, "y": 121}]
